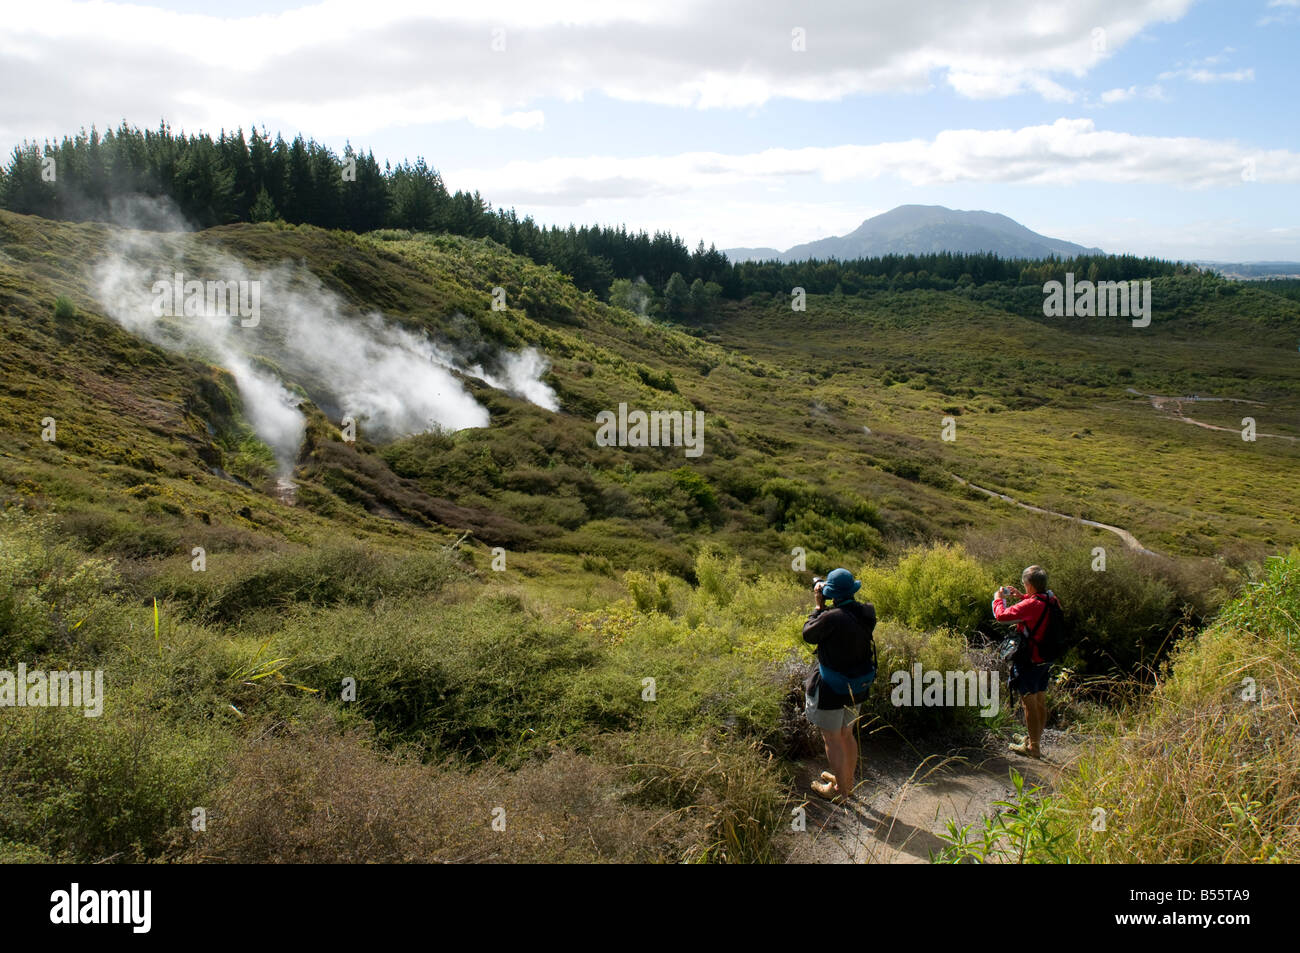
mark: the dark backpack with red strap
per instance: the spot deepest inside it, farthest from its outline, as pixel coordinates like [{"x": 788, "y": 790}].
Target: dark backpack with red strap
[{"x": 1052, "y": 633}]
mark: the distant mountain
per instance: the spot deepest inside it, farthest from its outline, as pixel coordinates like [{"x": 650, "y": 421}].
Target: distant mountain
[
  {"x": 752, "y": 254},
  {"x": 925, "y": 229}
]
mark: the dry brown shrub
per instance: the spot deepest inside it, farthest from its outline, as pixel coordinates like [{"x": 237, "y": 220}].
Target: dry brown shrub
[{"x": 313, "y": 794}]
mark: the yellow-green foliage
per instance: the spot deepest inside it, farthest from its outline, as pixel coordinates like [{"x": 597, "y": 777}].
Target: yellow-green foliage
[
  {"x": 930, "y": 588},
  {"x": 898, "y": 649},
  {"x": 735, "y": 632},
  {"x": 650, "y": 592},
  {"x": 48, "y": 591}
]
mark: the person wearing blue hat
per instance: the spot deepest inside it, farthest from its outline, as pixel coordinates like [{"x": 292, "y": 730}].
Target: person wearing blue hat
[{"x": 838, "y": 683}]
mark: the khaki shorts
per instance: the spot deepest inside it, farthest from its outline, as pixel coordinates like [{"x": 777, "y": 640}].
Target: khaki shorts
[{"x": 834, "y": 721}]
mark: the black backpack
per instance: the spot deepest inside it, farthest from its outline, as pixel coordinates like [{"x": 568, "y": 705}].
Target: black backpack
[
  {"x": 1052, "y": 634},
  {"x": 871, "y": 641}
]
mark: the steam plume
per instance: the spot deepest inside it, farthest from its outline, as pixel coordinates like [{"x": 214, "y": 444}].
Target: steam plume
[{"x": 304, "y": 340}]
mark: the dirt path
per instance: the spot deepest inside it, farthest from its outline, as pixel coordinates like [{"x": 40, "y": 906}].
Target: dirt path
[
  {"x": 905, "y": 800},
  {"x": 1173, "y": 408},
  {"x": 1129, "y": 539}
]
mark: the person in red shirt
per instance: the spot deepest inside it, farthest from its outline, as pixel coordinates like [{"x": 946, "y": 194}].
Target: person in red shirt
[{"x": 1029, "y": 670}]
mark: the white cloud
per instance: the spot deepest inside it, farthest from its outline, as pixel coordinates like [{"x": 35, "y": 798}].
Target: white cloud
[
  {"x": 1289, "y": 10},
  {"x": 1246, "y": 75},
  {"x": 993, "y": 85},
  {"x": 338, "y": 68},
  {"x": 1066, "y": 152},
  {"x": 1191, "y": 238},
  {"x": 1122, "y": 95}
]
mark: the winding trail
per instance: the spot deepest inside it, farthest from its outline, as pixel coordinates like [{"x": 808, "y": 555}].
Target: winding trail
[
  {"x": 1129, "y": 539},
  {"x": 1160, "y": 403}
]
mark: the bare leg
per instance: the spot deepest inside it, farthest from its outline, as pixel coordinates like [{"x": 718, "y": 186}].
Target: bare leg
[
  {"x": 849, "y": 747},
  {"x": 832, "y": 752},
  {"x": 842, "y": 761},
  {"x": 1035, "y": 719}
]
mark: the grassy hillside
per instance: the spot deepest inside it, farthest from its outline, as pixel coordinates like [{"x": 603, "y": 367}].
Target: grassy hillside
[
  {"x": 1044, "y": 407},
  {"x": 625, "y": 685}
]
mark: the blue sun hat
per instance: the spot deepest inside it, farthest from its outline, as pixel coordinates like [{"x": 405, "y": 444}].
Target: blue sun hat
[{"x": 840, "y": 585}]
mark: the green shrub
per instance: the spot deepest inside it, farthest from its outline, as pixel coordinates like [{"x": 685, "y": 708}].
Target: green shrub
[
  {"x": 115, "y": 787},
  {"x": 829, "y": 542},
  {"x": 51, "y": 595},
  {"x": 233, "y": 589},
  {"x": 478, "y": 679},
  {"x": 651, "y": 592},
  {"x": 597, "y": 564},
  {"x": 626, "y": 543},
  {"x": 660, "y": 380},
  {"x": 126, "y": 535},
  {"x": 900, "y": 649},
  {"x": 931, "y": 587},
  {"x": 682, "y": 498},
  {"x": 543, "y": 511},
  {"x": 718, "y": 577}
]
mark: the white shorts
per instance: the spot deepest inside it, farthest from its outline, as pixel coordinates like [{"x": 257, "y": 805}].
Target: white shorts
[{"x": 834, "y": 721}]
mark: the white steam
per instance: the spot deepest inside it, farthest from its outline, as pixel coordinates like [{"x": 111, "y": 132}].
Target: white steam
[
  {"x": 522, "y": 377},
  {"x": 271, "y": 410},
  {"x": 305, "y": 341}
]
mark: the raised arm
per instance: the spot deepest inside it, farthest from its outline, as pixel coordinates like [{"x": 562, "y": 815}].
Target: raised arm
[{"x": 817, "y": 627}]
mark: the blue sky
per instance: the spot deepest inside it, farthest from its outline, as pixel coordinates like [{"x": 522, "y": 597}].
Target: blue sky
[{"x": 1161, "y": 127}]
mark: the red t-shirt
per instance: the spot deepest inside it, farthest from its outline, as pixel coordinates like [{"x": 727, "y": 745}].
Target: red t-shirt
[{"x": 1028, "y": 615}]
